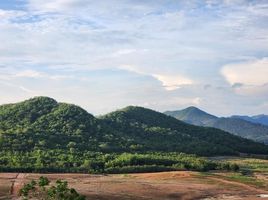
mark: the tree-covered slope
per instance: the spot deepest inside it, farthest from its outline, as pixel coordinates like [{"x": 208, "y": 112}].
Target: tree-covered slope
[
  {"x": 23, "y": 114},
  {"x": 156, "y": 131},
  {"x": 43, "y": 123},
  {"x": 256, "y": 132},
  {"x": 192, "y": 115},
  {"x": 235, "y": 125},
  {"x": 41, "y": 134}
]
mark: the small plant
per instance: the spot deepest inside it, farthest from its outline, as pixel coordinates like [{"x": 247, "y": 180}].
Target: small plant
[{"x": 44, "y": 191}]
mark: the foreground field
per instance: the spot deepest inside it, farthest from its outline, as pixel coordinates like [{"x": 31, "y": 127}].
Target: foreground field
[{"x": 157, "y": 186}]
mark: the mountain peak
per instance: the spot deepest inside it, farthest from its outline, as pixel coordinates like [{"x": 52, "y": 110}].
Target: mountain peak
[
  {"x": 132, "y": 108},
  {"x": 193, "y": 108},
  {"x": 192, "y": 115},
  {"x": 42, "y": 99}
]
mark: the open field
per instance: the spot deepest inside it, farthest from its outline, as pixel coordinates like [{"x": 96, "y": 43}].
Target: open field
[
  {"x": 157, "y": 186},
  {"x": 250, "y": 164}
]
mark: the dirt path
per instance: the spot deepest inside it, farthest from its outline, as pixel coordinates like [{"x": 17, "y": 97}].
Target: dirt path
[
  {"x": 243, "y": 185},
  {"x": 17, "y": 183},
  {"x": 13, "y": 185}
]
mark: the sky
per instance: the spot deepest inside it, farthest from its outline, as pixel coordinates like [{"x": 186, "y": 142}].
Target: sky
[{"x": 165, "y": 55}]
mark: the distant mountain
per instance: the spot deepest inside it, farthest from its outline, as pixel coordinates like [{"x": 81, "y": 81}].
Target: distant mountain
[
  {"x": 258, "y": 119},
  {"x": 193, "y": 115},
  {"x": 235, "y": 125},
  {"x": 156, "y": 131}
]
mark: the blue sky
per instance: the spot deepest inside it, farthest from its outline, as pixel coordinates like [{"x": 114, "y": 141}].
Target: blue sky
[{"x": 165, "y": 55}]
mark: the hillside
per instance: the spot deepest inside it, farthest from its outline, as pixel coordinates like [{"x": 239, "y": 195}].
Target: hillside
[
  {"x": 41, "y": 134},
  {"x": 156, "y": 131},
  {"x": 192, "y": 115},
  {"x": 235, "y": 125},
  {"x": 43, "y": 123},
  {"x": 257, "y": 119}
]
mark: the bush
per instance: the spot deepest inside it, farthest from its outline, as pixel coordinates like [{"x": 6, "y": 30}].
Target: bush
[{"x": 43, "y": 190}]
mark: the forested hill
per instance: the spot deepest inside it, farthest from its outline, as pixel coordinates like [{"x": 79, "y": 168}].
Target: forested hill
[
  {"x": 192, "y": 115},
  {"x": 155, "y": 131},
  {"x": 44, "y": 124},
  {"x": 235, "y": 125}
]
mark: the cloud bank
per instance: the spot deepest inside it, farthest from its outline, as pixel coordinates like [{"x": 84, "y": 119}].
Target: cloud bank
[{"x": 164, "y": 54}]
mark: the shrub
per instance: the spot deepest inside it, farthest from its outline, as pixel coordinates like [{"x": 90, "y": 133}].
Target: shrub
[{"x": 45, "y": 191}]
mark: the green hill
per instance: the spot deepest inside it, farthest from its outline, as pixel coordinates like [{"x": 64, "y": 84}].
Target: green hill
[
  {"x": 41, "y": 134},
  {"x": 43, "y": 123},
  {"x": 235, "y": 125},
  {"x": 192, "y": 115},
  {"x": 156, "y": 131}
]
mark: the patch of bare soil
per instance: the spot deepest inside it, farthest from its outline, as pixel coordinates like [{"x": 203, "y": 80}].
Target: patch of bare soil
[{"x": 145, "y": 186}]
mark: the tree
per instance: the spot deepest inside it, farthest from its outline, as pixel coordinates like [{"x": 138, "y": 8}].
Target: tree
[{"x": 45, "y": 191}]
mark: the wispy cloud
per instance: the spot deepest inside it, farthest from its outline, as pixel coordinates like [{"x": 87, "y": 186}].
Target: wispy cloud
[
  {"x": 254, "y": 73},
  {"x": 173, "y": 82},
  {"x": 157, "y": 46}
]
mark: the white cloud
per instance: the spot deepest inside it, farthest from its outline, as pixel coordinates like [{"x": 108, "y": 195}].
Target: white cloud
[
  {"x": 259, "y": 9},
  {"x": 250, "y": 90},
  {"x": 15, "y": 74},
  {"x": 254, "y": 73},
  {"x": 169, "y": 81},
  {"x": 173, "y": 82},
  {"x": 10, "y": 14},
  {"x": 29, "y": 74},
  {"x": 26, "y": 90},
  {"x": 53, "y": 5},
  {"x": 123, "y": 52},
  {"x": 133, "y": 68},
  {"x": 178, "y": 44},
  {"x": 176, "y": 102},
  {"x": 196, "y": 101}
]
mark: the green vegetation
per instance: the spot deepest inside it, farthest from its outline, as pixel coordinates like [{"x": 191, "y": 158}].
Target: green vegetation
[
  {"x": 43, "y": 190},
  {"x": 249, "y": 180},
  {"x": 192, "y": 115},
  {"x": 235, "y": 125},
  {"x": 155, "y": 131},
  {"x": 90, "y": 162},
  {"x": 235, "y": 177},
  {"x": 42, "y": 135},
  {"x": 250, "y": 164},
  {"x": 252, "y": 171}
]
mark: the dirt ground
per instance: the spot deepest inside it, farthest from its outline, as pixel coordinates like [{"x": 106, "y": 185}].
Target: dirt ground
[{"x": 145, "y": 186}]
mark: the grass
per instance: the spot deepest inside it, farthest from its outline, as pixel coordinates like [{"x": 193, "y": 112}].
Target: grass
[
  {"x": 237, "y": 177},
  {"x": 248, "y": 168},
  {"x": 251, "y": 164}
]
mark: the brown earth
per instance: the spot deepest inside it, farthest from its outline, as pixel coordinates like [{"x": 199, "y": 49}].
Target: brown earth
[{"x": 145, "y": 186}]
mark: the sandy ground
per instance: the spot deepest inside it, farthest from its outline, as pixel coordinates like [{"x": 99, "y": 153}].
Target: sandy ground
[{"x": 153, "y": 186}]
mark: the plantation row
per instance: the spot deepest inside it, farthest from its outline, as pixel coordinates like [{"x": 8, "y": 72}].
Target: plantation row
[{"x": 91, "y": 162}]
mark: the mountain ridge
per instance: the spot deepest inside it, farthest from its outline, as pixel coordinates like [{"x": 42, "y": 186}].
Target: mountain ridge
[
  {"x": 42, "y": 122},
  {"x": 235, "y": 125},
  {"x": 257, "y": 119},
  {"x": 192, "y": 115}
]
